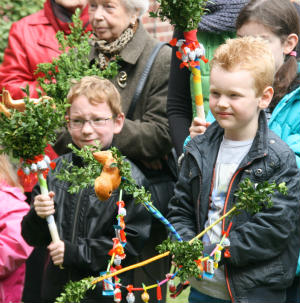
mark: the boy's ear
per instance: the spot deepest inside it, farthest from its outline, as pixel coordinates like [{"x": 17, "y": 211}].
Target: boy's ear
[
  {"x": 266, "y": 97},
  {"x": 290, "y": 43},
  {"x": 118, "y": 123}
]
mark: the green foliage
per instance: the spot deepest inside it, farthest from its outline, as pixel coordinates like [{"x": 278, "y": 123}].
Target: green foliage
[
  {"x": 72, "y": 64},
  {"x": 254, "y": 197},
  {"x": 26, "y": 134},
  {"x": 74, "y": 292},
  {"x": 81, "y": 177},
  {"x": 12, "y": 11},
  {"x": 128, "y": 183},
  {"x": 185, "y": 14},
  {"x": 250, "y": 197},
  {"x": 184, "y": 256}
]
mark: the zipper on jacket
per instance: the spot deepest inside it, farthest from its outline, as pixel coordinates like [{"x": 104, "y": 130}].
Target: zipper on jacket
[
  {"x": 223, "y": 227},
  {"x": 74, "y": 227},
  {"x": 76, "y": 216},
  {"x": 228, "y": 285},
  {"x": 198, "y": 203},
  {"x": 223, "y": 223}
]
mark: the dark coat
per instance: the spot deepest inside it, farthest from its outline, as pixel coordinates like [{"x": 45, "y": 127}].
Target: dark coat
[
  {"x": 147, "y": 137},
  {"x": 264, "y": 247},
  {"x": 85, "y": 224}
]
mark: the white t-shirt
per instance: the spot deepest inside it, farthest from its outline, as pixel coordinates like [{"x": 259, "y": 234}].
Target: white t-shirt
[{"x": 230, "y": 155}]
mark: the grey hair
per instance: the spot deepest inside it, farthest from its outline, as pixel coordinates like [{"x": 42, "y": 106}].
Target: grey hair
[{"x": 137, "y": 5}]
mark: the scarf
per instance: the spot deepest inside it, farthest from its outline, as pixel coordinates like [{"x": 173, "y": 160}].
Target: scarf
[{"x": 107, "y": 51}]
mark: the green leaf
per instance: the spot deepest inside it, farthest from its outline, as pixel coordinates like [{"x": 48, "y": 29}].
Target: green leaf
[
  {"x": 72, "y": 64},
  {"x": 74, "y": 292},
  {"x": 185, "y": 14},
  {"x": 26, "y": 134},
  {"x": 255, "y": 197},
  {"x": 184, "y": 255}
]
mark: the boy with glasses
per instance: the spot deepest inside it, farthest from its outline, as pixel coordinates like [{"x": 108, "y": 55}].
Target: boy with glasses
[{"x": 84, "y": 223}]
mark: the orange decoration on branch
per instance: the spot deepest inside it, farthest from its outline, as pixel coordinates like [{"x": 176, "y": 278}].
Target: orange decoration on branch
[
  {"x": 20, "y": 105},
  {"x": 110, "y": 178}
]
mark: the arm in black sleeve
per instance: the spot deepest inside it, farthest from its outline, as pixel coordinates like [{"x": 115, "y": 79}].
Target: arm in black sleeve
[
  {"x": 35, "y": 229},
  {"x": 91, "y": 253},
  {"x": 179, "y": 105}
]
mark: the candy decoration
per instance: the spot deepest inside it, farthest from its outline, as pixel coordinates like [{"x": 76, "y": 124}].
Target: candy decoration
[
  {"x": 108, "y": 288},
  {"x": 145, "y": 296},
  {"x": 172, "y": 287},
  {"x": 179, "y": 289},
  {"x": 227, "y": 253},
  {"x": 158, "y": 293},
  {"x": 117, "y": 295},
  {"x": 130, "y": 297},
  {"x": 117, "y": 260}
]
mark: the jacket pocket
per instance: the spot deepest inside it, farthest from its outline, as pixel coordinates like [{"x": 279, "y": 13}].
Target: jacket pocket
[{"x": 269, "y": 273}]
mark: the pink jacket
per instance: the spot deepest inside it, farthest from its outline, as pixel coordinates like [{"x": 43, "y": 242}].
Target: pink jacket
[{"x": 13, "y": 249}]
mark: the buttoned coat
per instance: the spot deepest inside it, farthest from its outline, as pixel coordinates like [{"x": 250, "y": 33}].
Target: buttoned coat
[{"x": 146, "y": 137}]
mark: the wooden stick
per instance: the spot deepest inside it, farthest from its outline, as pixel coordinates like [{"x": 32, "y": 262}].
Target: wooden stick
[
  {"x": 140, "y": 264},
  {"x": 143, "y": 263}
]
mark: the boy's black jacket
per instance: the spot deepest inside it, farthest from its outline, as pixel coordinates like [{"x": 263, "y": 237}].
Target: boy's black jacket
[
  {"x": 85, "y": 224},
  {"x": 264, "y": 247}
]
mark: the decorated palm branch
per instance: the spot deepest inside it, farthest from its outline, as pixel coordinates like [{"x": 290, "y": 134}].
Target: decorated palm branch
[
  {"x": 185, "y": 15},
  {"x": 107, "y": 171},
  {"x": 27, "y": 127}
]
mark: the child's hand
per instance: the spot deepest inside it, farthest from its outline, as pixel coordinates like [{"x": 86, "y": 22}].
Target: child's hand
[
  {"x": 198, "y": 127},
  {"x": 44, "y": 205},
  {"x": 57, "y": 252}
]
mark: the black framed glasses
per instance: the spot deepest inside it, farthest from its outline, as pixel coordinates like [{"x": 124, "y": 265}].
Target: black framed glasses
[{"x": 95, "y": 123}]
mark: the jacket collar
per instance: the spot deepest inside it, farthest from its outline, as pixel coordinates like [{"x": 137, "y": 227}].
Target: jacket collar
[
  {"x": 286, "y": 100},
  {"x": 48, "y": 17},
  {"x": 132, "y": 51},
  {"x": 205, "y": 145},
  {"x": 135, "y": 46},
  {"x": 14, "y": 191}
]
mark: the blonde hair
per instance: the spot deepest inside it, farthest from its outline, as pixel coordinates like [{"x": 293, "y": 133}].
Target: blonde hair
[
  {"x": 7, "y": 172},
  {"x": 247, "y": 53},
  {"x": 96, "y": 90}
]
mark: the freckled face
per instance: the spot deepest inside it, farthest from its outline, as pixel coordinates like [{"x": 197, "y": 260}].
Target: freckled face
[
  {"x": 82, "y": 109},
  {"x": 233, "y": 102}
]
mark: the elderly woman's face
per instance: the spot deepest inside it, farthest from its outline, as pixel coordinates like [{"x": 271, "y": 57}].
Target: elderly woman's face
[{"x": 109, "y": 18}]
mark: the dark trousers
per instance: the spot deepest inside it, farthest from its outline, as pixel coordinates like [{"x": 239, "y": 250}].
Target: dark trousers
[{"x": 293, "y": 292}]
